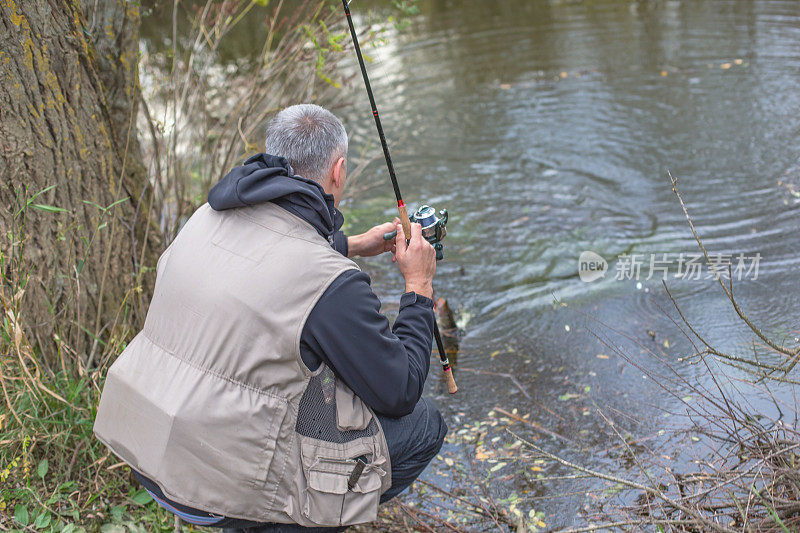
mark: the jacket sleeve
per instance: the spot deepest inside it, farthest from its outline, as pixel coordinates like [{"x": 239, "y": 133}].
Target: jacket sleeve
[
  {"x": 385, "y": 367},
  {"x": 340, "y": 242}
]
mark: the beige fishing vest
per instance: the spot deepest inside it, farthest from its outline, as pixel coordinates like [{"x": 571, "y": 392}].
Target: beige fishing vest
[{"x": 211, "y": 399}]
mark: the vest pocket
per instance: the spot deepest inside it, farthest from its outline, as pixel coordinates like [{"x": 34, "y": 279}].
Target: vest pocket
[
  {"x": 361, "y": 502},
  {"x": 345, "y": 463},
  {"x": 324, "y": 496},
  {"x": 351, "y": 413},
  {"x": 339, "y": 490}
]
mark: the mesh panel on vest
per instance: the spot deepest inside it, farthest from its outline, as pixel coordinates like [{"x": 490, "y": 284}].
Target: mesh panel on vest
[{"x": 316, "y": 414}]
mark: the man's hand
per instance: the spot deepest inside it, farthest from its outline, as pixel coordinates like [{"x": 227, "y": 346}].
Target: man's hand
[
  {"x": 416, "y": 261},
  {"x": 372, "y": 242}
]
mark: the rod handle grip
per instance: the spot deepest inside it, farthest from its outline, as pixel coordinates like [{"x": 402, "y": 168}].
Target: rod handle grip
[
  {"x": 401, "y": 210},
  {"x": 452, "y": 388}
]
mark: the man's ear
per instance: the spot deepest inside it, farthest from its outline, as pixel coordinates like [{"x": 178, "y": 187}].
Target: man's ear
[{"x": 339, "y": 172}]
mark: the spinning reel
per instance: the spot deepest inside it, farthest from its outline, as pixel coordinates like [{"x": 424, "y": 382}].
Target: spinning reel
[{"x": 433, "y": 226}]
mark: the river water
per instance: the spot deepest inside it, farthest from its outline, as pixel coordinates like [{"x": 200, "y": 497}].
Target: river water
[{"x": 548, "y": 129}]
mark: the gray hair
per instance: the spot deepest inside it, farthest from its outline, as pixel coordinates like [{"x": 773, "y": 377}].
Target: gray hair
[{"x": 310, "y": 137}]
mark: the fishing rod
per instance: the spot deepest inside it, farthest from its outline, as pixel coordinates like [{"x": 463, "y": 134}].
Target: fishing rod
[{"x": 433, "y": 226}]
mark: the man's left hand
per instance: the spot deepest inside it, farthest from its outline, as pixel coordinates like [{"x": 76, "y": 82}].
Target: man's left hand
[{"x": 372, "y": 243}]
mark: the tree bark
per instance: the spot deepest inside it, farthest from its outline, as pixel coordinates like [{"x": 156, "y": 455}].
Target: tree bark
[{"x": 68, "y": 95}]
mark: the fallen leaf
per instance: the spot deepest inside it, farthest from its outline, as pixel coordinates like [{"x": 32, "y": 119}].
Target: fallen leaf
[
  {"x": 497, "y": 467},
  {"x": 725, "y": 66},
  {"x": 663, "y": 72},
  {"x": 505, "y": 86},
  {"x": 602, "y": 356}
]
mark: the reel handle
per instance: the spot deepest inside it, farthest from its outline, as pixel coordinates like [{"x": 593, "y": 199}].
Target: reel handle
[
  {"x": 404, "y": 220},
  {"x": 438, "y": 246}
]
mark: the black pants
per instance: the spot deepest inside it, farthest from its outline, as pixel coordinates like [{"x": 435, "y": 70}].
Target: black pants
[{"x": 414, "y": 440}]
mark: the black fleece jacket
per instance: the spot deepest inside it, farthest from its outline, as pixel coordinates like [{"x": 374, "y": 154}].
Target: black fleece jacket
[{"x": 385, "y": 367}]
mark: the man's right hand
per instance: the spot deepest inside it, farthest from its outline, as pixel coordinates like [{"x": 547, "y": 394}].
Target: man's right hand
[{"x": 416, "y": 261}]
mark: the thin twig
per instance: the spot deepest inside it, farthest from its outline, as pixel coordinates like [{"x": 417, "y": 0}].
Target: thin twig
[{"x": 536, "y": 426}]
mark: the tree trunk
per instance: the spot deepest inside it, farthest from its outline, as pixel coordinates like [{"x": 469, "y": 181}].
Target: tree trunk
[{"x": 68, "y": 96}]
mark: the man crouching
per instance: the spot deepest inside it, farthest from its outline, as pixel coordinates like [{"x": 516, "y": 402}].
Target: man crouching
[{"x": 266, "y": 390}]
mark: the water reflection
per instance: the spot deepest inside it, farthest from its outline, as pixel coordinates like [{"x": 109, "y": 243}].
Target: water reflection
[{"x": 550, "y": 128}]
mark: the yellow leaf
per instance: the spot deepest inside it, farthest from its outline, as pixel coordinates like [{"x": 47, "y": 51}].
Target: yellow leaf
[
  {"x": 725, "y": 66},
  {"x": 602, "y": 356},
  {"x": 663, "y": 72}
]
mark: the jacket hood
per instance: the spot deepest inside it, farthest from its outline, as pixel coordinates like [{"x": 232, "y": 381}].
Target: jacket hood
[{"x": 268, "y": 178}]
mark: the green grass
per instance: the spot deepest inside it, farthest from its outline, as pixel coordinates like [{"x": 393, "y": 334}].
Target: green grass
[{"x": 54, "y": 475}]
